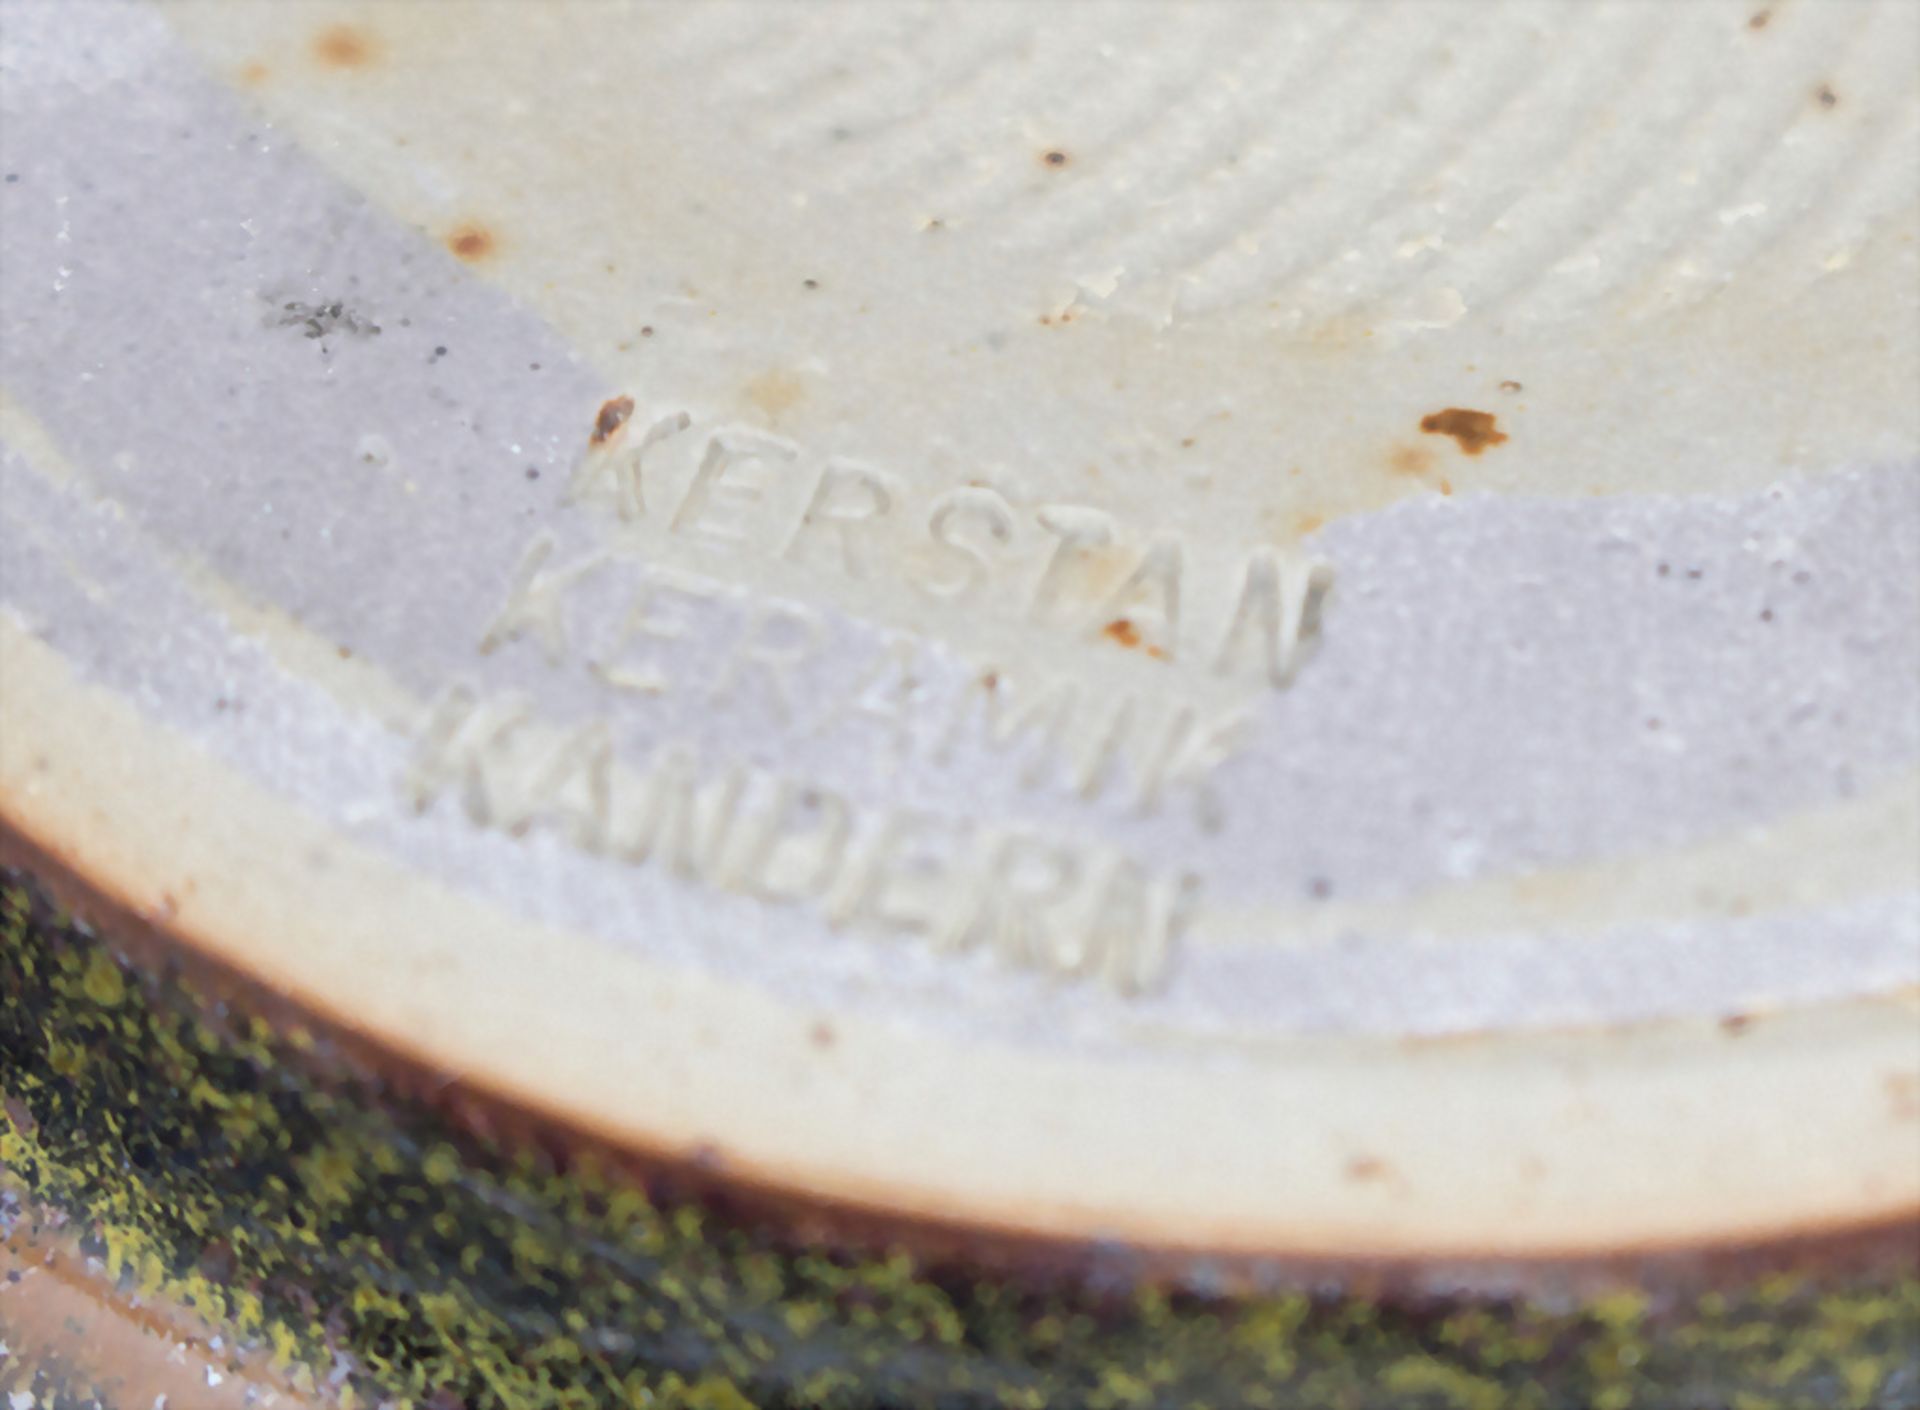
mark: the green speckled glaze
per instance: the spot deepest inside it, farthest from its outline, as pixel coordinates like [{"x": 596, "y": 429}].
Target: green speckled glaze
[{"x": 253, "y": 1175}]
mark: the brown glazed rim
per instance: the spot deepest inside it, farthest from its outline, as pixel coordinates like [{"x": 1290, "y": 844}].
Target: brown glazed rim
[
  {"x": 86, "y": 1338},
  {"x": 1832, "y": 1251}
]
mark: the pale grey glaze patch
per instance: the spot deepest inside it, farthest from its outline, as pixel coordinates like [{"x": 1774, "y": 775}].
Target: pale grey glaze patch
[
  {"x": 1708, "y": 662},
  {"x": 147, "y": 637}
]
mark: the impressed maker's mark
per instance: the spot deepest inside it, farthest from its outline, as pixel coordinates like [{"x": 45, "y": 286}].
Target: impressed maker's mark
[
  {"x": 1063, "y": 906},
  {"x": 690, "y": 599},
  {"x": 1075, "y": 570}
]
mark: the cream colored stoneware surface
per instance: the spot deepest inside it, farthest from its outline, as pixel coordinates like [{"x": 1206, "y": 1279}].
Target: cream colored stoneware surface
[{"x": 1235, "y": 626}]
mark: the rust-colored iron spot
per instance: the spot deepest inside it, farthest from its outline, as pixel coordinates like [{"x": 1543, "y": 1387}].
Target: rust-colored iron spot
[
  {"x": 1409, "y": 460},
  {"x": 1122, "y": 632},
  {"x": 774, "y": 392},
  {"x": 821, "y": 1035},
  {"x": 1760, "y": 19},
  {"x": 1055, "y": 157},
  {"x": 1734, "y": 1024},
  {"x": 1366, "y": 1167},
  {"x": 613, "y": 415},
  {"x": 1473, "y": 431},
  {"x": 472, "y": 242},
  {"x": 253, "y": 74},
  {"x": 342, "y": 46},
  {"x": 1509, "y": 385},
  {"x": 1903, "y": 1095}
]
